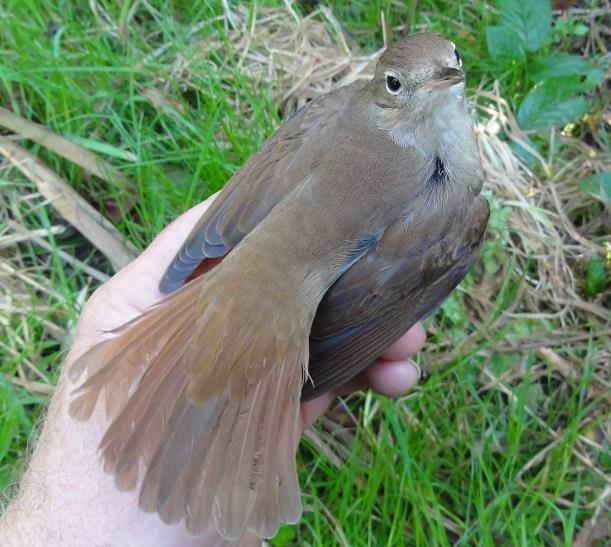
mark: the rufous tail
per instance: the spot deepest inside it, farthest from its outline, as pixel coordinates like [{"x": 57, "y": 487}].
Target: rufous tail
[{"x": 204, "y": 389}]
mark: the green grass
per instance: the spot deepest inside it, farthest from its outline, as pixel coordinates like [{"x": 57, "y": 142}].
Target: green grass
[{"x": 489, "y": 450}]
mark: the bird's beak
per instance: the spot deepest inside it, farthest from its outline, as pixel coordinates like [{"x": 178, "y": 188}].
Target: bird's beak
[{"x": 446, "y": 77}]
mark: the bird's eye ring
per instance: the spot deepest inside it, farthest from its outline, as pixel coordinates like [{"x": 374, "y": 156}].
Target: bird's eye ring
[{"x": 393, "y": 84}]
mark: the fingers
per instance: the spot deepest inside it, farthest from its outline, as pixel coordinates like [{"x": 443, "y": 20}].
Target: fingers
[
  {"x": 159, "y": 254},
  {"x": 313, "y": 409},
  {"x": 392, "y": 375},
  {"x": 409, "y": 344},
  {"x": 145, "y": 272},
  {"x": 391, "y": 378}
]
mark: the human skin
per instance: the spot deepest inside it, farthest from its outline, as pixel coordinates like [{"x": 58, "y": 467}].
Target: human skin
[{"x": 65, "y": 498}]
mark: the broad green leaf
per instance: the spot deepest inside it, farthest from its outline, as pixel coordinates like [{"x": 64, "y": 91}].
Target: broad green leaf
[
  {"x": 598, "y": 185},
  {"x": 564, "y": 64},
  {"x": 550, "y": 103},
  {"x": 531, "y": 21},
  {"x": 503, "y": 43},
  {"x": 596, "y": 276}
]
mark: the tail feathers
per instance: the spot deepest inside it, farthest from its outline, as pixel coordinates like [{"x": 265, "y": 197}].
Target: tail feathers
[
  {"x": 204, "y": 391},
  {"x": 229, "y": 460},
  {"x": 115, "y": 366},
  {"x": 245, "y": 340}
]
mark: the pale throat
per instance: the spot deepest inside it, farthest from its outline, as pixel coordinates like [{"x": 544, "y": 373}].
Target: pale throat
[{"x": 438, "y": 127}]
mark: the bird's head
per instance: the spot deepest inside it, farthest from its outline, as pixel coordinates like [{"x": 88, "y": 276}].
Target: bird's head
[
  {"x": 417, "y": 72},
  {"x": 417, "y": 99}
]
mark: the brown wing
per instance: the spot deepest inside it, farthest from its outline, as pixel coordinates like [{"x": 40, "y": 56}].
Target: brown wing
[
  {"x": 256, "y": 188},
  {"x": 392, "y": 287}
]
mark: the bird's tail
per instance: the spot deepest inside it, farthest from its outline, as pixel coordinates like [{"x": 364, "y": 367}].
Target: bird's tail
[{"x": 204, "y": 390}]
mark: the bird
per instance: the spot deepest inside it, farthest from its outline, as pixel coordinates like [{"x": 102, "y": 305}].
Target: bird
[{"x": 355, "y": 220}]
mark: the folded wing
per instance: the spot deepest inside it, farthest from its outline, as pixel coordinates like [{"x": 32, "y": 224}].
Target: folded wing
[
  {"x": 255, "y": 189},
  {"x": 412, "y": 271}
]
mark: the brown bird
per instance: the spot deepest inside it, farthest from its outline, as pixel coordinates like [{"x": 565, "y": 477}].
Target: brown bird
[{"x": 355, "y": 220}]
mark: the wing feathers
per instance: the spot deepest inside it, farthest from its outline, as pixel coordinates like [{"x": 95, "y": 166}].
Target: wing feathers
[
  {"x": 255, "y": 189},
  {"x": 410, "y": 273}
]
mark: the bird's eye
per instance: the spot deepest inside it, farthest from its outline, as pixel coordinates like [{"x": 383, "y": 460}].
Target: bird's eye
[
  {"x": 393, "y": 84},
  {"x": 457, "y": 55}
]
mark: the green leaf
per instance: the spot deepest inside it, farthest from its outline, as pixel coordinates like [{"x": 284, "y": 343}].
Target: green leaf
[
  {"x": 581, "y": 29},
  {"x": 598, "y": 185},
  {"x": 550, "y": 103},
  {"x": 596, "y": 276},
  {"x": 531, "y": 21},
  {"x": 503, "y": 43},
  {"x": 569, "y": 27},
  {"x": 563, "y": 65}
]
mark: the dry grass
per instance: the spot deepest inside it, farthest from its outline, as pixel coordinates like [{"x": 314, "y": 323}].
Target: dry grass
[
  {"x": 545, "y": 240},
  {"x": 304, "y": 57}
]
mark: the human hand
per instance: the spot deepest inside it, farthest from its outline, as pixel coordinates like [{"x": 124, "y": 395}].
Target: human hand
[{"x": 65, "y": 482}]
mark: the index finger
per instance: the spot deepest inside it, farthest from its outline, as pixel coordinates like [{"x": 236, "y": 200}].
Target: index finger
[
  {"x": 148, "y": 268},
  {"x": 160, "y": 253}
]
